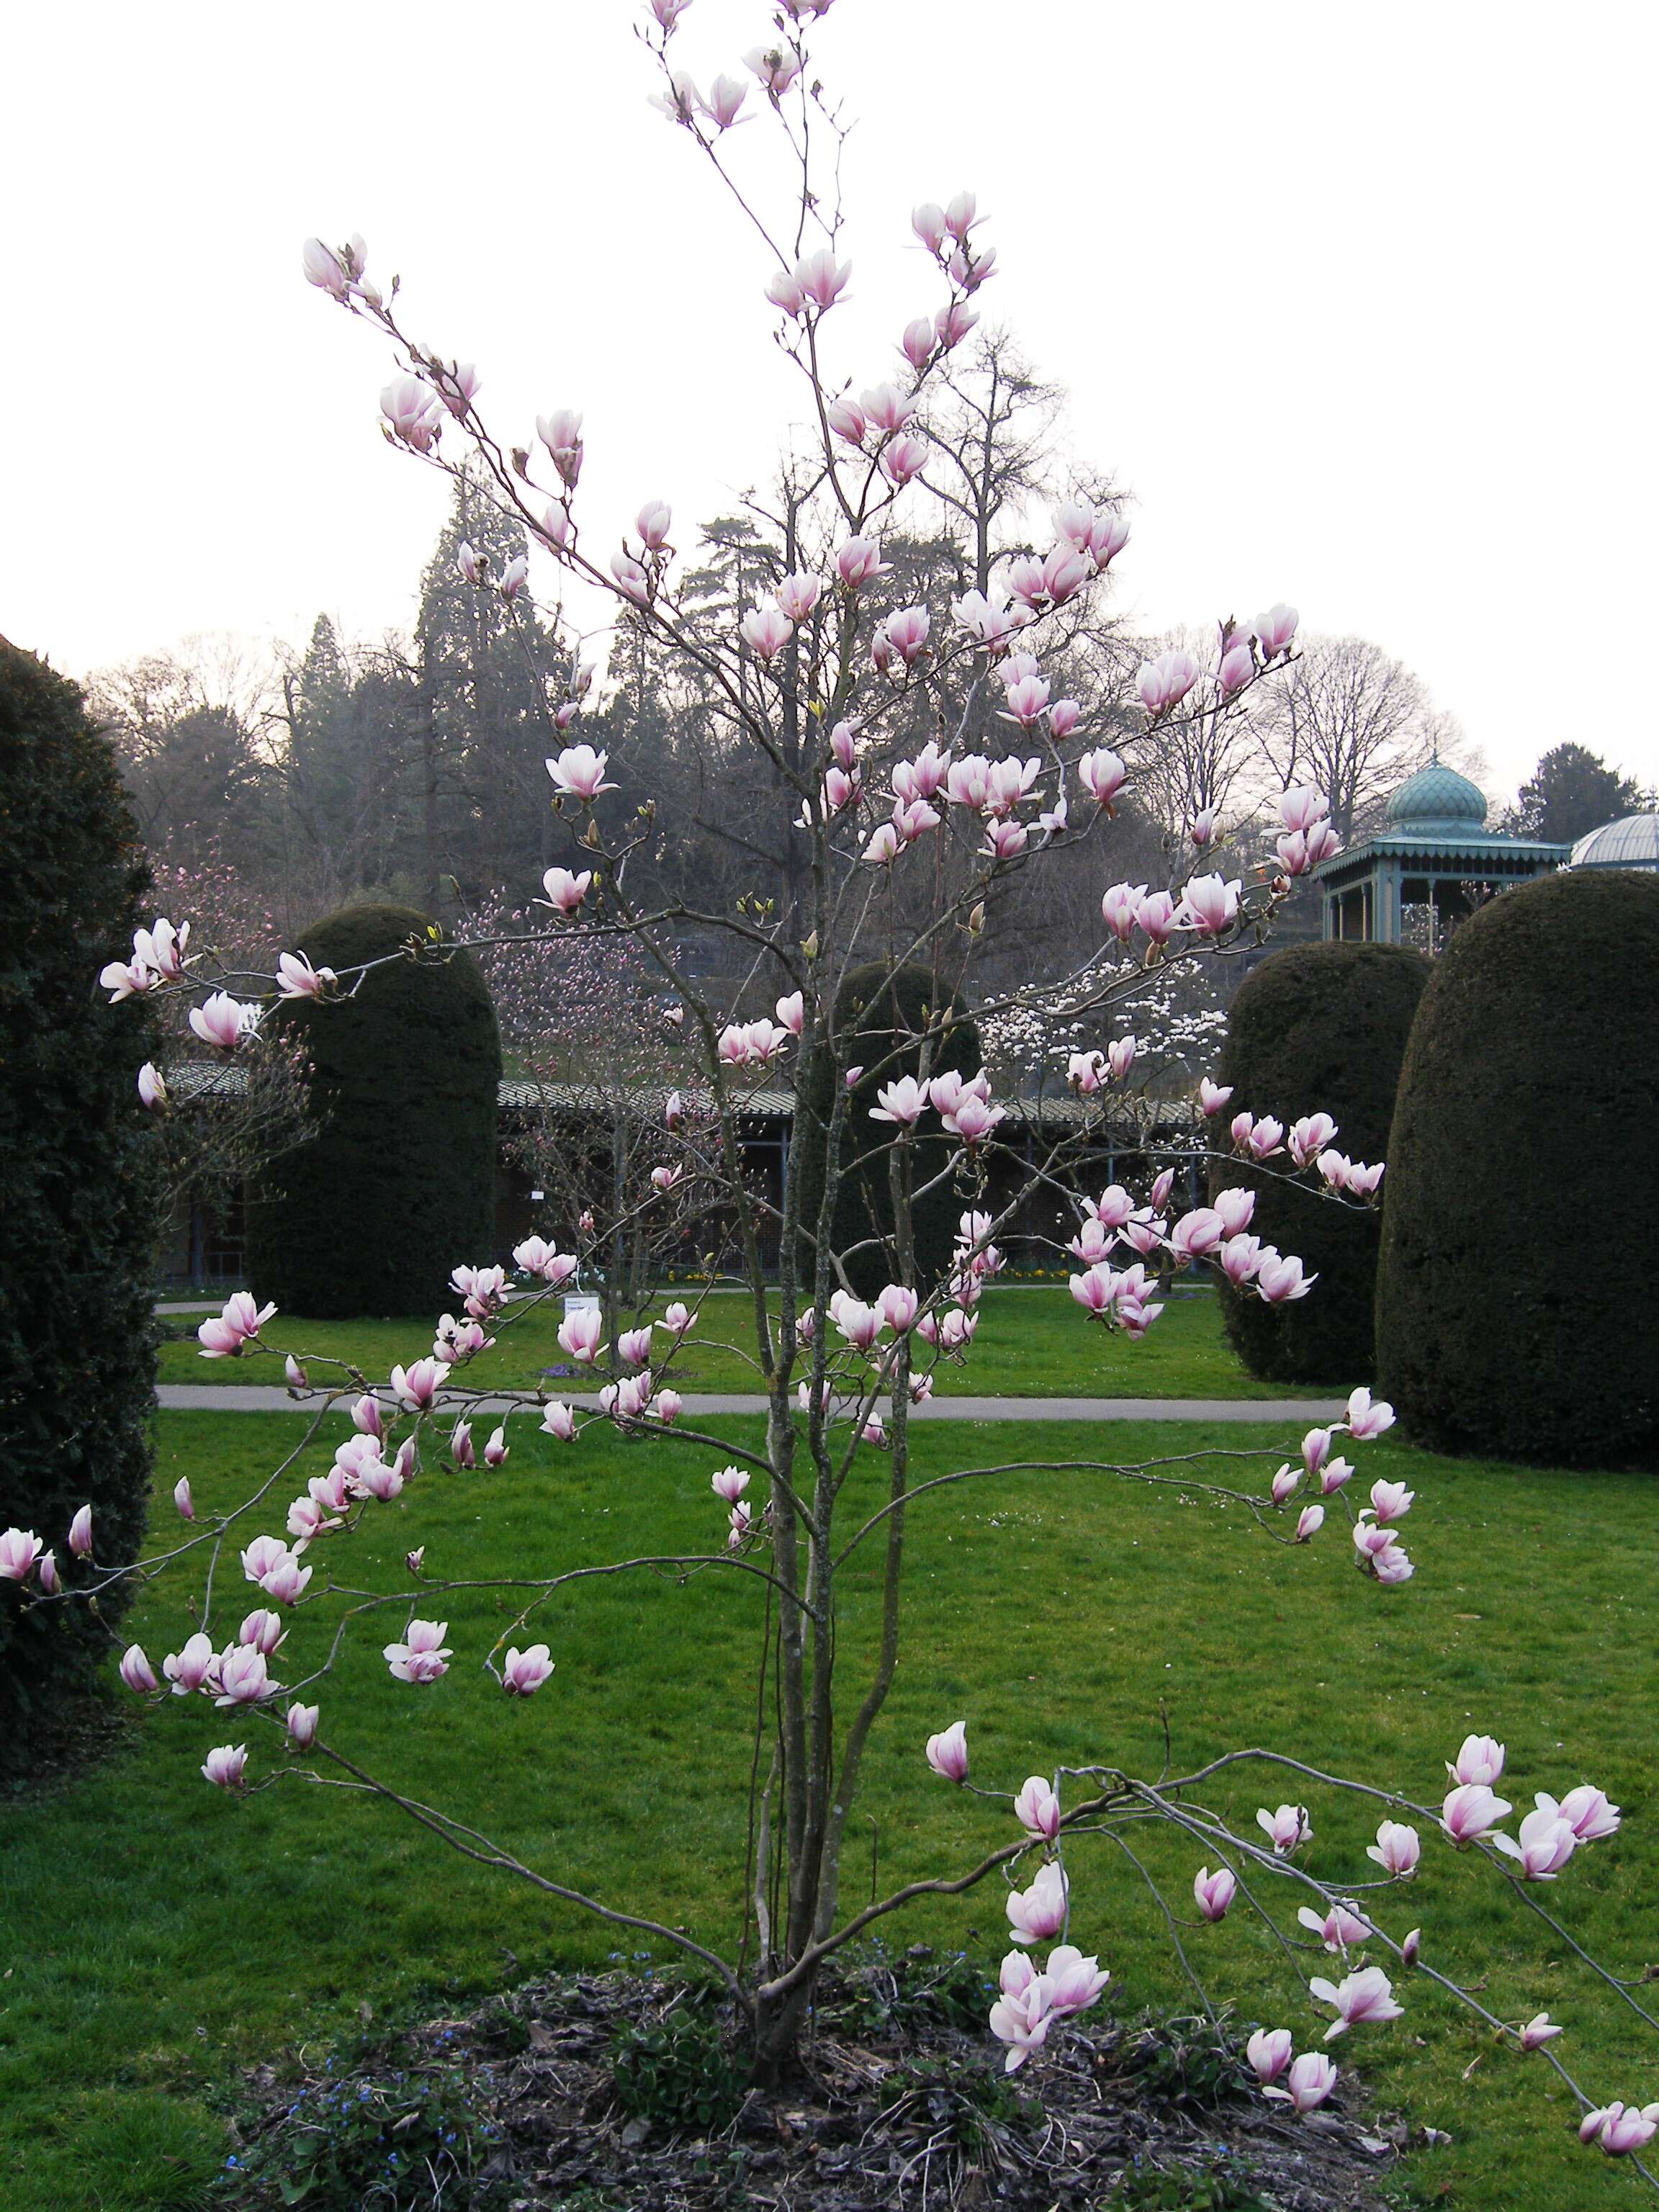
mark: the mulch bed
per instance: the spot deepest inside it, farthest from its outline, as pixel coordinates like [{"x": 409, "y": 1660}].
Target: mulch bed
[{"x": 900, "y": 2105}]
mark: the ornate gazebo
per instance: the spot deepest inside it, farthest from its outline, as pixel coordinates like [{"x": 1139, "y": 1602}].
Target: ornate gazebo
[
  {"x": 1434, "y": 850},
  {"x": 1632, "y": 843}
]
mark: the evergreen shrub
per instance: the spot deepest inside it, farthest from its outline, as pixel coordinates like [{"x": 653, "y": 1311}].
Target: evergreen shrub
[
  {"x": 1515, "y": 1318},
  {"x": 397, "y": 1185},
  {"x": 1317, "y": 1027},
  {"x": 81, "y": 1180}
]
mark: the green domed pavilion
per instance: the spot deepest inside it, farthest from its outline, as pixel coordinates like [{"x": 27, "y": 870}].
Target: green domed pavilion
[{"x": 1434, "y": 850}]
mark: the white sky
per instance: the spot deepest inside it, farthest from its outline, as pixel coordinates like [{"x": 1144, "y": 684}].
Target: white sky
[{"x": 1357, "y": 301}]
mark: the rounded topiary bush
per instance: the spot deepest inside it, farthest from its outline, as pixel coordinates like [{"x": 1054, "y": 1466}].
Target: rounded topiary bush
[
  {"x": 1317, "y": 1027},
  {"x": 83, "y": 1181},
  {"x": 878, "y": 1016},
  {"x": 1515, "y": 1316},
  {"x": 398, "y": 1186}
]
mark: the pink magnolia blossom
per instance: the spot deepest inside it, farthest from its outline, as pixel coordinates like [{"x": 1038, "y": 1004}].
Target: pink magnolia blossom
[
  {"x": 415, "y": 1388},
  {"x": 1275, "y": 630},
  {"x": 422, "y": 1656},
  {"x": 1538, "y": 2030},
  {"x": 724, "y": 102},
  {"x": 929, "y": 223},
  {"x": 1036, "y": 1808},
  {"x": 80, "y": 1534},
  {"x": 1364, "y": 1996},
  {"x": 161, "y": 947},
  {"x": 1310, "y": 1522},
  {"x": 1470, "y": 1811},
  {"x": 1392, "y": 1501},
  {"x": 1333, "y": 1476},
  {"x": 777, "y": 68},
  {"x": 1212, "y": 1097},
  {"x": 665, "y": 1406},
  {"x": 19, "y": 1550},
  {"x": 262, "y": 1629},
  {"x": 652, "y": 523},
  {"x": 1367, "y": 1418},
  {"x": 989, "y": 616},
  {"x": 183, "y": 1500},
  {"x": 730, "y": 1483},
  {"x": 414, "y": 413},
  {"x": 902, "y": 1102},
  {"x": 1281, "y": 1279},
  {"x": 152, "y": 1086},
  {"x": 1165, "y": 681},
  {"x": 1547, "y": 1842},
  {"x": 1480, "y": 1760},
  {"x": 859, "y": 561},
  {"x": 137, "y": 1672},
  {"x": 1214, "y": 1893},
  {"x": 1038, "y": 1914},
  {"x": 300, "y": 1721},
  {"x": 1620, "y": 2128},
  {"x": 127, "y": 979},
  {"x": 1209, "y": 905},
  {"x": 560, "y": 1421},
  {"x": 321, "y": 266},
  {"x": 1102, "y": 774},
  {"x": 1075, "y": 1981},
  {"x": 240, "y": 1322},
  {"x": 523, "y": 1673},
  {"x": 1198, "y": 1234},
  {"x": 822, "y": 278},
  {"x": 1268, "y": 2051},
  {"x": 947, "y": 1753},
  {"x": 1586, "y": 1811},
  {"x": 1021, "y": 2017},
  {"x": 1287, "y": 1829},
  {"x": 222, "y": 1021},
  {"x": 1285, "y": 1483},
  {"x": 898, "y": 1304},
  {"x": 285, "y": 1579},
  {"x": 1310, "y": 2080},
  {"x": 1309, "y": 1136},
  {"x": 766, "y": 630},
  {"x": 191, "y": 1667},
  {"x": 1396, "y": 1850},
  {"x": 243, "y": 1677},
  {"x": 536, "y": 1257},
  {"x": 579, "y": 771},
  {"x": 1337, "y": 1928},
  {"x": 226, "y": 1767},
  {"x": 566, "y": 891}
]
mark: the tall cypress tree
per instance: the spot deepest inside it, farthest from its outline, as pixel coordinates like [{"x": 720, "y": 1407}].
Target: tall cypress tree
[{"x": 82, "y": 1180}]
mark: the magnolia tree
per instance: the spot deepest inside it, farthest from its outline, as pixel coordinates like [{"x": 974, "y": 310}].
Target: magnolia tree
[{"x": 898, "y": 853}]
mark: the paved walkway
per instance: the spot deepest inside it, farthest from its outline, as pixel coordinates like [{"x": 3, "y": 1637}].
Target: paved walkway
[{"x": 1299, "y": 1412}]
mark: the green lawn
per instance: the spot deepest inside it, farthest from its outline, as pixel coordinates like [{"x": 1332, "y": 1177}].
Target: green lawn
[
  {"x": 1031, "y": 1343},
  {"x": 156, "y": 1935}
]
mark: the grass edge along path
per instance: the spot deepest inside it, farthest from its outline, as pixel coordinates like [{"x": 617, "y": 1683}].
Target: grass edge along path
[{"x": 158, "y": 1936}]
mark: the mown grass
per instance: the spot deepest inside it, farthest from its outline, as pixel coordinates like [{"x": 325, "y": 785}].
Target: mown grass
[
  {"x": 1032, "y": 1342},
  {"x": 158, "y": 1936}
]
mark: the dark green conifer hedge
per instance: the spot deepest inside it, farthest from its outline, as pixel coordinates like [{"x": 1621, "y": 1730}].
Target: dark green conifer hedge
[
  {"x": 1317, "y": 1027},
  {"x": 1515, "y": 1317},
  {"x": 878, "y": 1017},
  {"x": 398, "y": 1186},
  {"x": 80, "y": 1227}
]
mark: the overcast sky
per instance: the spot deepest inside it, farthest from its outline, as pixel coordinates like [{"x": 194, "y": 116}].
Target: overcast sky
[{"x": 1358, "y": 302}]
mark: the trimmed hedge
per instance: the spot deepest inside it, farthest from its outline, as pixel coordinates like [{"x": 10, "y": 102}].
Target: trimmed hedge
[
  {"x": 1515, "y": 1318},
  {"x": 399, "y": 1186},
  {"x": 875, "y": 1014},
  {"x": 82, "y": 1182},
  {"x": 1318, "y": 1028}
]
